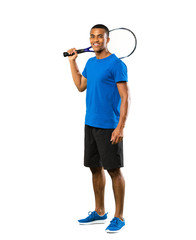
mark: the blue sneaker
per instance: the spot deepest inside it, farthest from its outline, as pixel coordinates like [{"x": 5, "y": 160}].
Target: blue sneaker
[
  {"x": 93, "y": 218},
  {"x": 116, "y": 225}
]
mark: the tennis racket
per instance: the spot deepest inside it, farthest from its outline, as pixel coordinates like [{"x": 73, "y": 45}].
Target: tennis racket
[{"x": 123, "y": 43}]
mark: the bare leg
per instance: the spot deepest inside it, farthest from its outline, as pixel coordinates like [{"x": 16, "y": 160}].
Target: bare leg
[
  {"x": 118, "y": 184},
  {"x": 98, "y": 176}
]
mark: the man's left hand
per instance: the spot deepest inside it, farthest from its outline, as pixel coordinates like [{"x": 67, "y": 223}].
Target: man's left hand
[{"x": 117, "y": 136}]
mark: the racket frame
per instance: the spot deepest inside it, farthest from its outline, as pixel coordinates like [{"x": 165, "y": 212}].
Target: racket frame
[
  {"x": 122, "y": 28},
  {"x": 66, "y": 54}
]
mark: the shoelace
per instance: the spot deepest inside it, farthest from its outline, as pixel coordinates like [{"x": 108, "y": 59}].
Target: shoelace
[
  {"x": 114, "y": 222},
  {"x": 91, "y": 214}
]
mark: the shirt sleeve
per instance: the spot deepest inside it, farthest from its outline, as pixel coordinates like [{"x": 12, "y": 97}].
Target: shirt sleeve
[
  {"x": 84, "y": 73},
  {"x": 120, "y": 72}
]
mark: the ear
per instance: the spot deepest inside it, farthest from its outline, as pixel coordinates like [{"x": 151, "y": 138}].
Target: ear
[{"x": 108, "y": 39}]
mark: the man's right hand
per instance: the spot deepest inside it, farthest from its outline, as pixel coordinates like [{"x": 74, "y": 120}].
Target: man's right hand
[{"x": 70, "y": 51}]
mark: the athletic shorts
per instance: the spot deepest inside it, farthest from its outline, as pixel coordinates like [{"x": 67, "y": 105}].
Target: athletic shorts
[{"x": 99, "y": 151}]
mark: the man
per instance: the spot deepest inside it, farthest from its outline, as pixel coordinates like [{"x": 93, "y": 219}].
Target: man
[{"x": 105, "y": 79}]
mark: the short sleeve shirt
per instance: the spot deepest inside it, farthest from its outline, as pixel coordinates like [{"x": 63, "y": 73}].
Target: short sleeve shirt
[{"x": 102, "y": 96}]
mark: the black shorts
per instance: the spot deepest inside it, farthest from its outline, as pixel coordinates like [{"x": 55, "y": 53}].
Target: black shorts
[{"x": 99, "y": 151}]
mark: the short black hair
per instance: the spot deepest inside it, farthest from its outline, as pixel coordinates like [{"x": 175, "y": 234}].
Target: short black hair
[{"x": 103, "y": 27}]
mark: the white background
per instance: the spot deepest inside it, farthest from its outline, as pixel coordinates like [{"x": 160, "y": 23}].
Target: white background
[{"x": 44, "y": 187}]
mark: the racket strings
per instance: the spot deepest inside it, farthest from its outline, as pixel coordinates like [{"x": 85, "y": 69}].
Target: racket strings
[{"x": 123, "y": 42}]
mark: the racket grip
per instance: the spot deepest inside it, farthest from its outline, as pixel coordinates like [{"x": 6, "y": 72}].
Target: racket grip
[{"x": 66, "y": 54}]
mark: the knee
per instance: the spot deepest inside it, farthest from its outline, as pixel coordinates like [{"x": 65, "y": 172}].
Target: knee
[
  {"x": 114, "y": 173},
  {"x": 96, "y": 170}
]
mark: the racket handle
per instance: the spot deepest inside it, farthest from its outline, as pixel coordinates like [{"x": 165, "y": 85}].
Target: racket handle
[{"x": 66, "y": 54}]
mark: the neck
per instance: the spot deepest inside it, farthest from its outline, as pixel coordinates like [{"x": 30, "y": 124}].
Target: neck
[{"x": 102, "y": 54}]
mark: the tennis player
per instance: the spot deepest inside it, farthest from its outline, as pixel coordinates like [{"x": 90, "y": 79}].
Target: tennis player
[{"x": 107, "y": 98}]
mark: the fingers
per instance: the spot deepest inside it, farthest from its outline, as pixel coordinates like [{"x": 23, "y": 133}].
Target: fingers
[
  {"x": 112, "y": 138},
  {"x": 120, "y": 139},
  {"x": 73, "y": 54},
  {"x": 116, "y": 138},
  {"x": 71, "y": 51}
]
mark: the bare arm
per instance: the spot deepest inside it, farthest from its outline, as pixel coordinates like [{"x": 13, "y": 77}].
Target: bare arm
[
  {"x": 79, "y": 80},
  {"x": 117, "y": 134}
]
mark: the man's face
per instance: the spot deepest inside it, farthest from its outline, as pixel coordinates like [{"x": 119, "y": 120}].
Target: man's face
[{"x": 98, "y": 39}]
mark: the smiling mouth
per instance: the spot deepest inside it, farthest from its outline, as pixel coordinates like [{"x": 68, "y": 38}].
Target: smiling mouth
[{"x": 96, "y": 44}]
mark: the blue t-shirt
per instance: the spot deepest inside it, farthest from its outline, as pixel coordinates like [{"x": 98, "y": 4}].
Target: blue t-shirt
[{"x": 102, "y": 96}]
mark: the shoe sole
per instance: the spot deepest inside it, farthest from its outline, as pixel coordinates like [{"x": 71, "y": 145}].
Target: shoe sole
[
  {"x": 94, "y": 222},
  {"x": 117, "y": 231}
]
